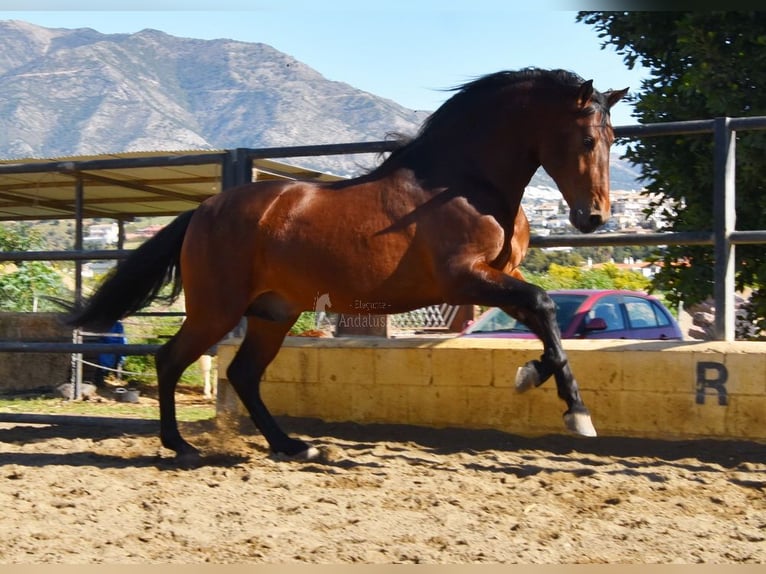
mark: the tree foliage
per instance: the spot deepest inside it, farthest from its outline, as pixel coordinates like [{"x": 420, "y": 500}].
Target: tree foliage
[
  {"x": 23, "y": 283},
  {"x": 702, "y": 65},
  {"x": 539, "y": 260},
  {"x": 606, "y": 277}
]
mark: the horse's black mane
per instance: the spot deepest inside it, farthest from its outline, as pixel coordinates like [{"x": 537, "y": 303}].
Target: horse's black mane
[{"x": 467, "y": 93}]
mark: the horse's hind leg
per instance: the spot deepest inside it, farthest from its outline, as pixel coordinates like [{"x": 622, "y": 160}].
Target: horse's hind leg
[
  {"x": 259, "y": 347},
  {"x": 172, "y": 359}
]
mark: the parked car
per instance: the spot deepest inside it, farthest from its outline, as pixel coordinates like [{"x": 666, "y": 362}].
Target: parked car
[{"x": 589, "y": 314}]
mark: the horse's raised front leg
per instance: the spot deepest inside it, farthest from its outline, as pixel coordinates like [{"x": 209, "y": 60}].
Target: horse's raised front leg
[
  {"x": 259, "y": 347},
  {"x": 532, "y": 306},
  {"x": 576, "y": 418}
]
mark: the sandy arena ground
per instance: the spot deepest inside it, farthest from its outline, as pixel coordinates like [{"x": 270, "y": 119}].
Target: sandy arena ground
[{"x": 382, "y": 494}]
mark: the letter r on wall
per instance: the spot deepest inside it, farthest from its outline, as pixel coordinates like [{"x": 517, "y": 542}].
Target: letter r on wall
[{"x": 712, "y": 375}]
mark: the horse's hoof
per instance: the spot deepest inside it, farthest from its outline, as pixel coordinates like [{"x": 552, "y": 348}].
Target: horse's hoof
[
  {"x": 580, "y": 423},
  {"x": 311, "y": 453},
  {"x": 307, "y": 455},
  {"x": 527, "y": 378},
  {"x": 188, "y": 458}
]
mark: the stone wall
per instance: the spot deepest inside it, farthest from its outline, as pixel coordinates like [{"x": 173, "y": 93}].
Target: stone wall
[
  {"x": 670, "y": 390},
  {"x": 28, "y": 371}
]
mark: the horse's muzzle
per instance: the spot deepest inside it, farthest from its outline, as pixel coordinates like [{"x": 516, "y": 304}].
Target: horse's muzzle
[{"x": 586, "y": 221}]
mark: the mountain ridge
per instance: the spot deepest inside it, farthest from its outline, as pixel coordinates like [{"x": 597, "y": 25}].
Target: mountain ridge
[{"x": 68, "y": 92}]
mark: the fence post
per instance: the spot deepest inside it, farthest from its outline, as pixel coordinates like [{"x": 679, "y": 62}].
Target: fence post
[
  {"x": 724, "y": 223},
  {"x": 79, "y": 203},
  {"x": 237, "y": 169},
  {"x": 76, "y": 393}
]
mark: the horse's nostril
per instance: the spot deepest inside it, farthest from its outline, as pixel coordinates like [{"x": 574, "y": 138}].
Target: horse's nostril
[{"x": 587, "y": 222}]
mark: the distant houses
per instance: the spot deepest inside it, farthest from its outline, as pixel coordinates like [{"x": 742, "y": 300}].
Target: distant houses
[
  {"x": 101, "y": 235},
  {"x": 548, "y": 213}
]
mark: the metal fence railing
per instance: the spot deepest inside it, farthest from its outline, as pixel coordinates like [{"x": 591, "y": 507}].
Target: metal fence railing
[{"x": 723, "y": 234}]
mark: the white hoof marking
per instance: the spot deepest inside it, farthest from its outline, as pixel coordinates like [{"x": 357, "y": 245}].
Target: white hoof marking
[
  {"x": 311, "y": 453},
  {"x": 526, "y": 378},
  {"x": 580, "y": 423}
]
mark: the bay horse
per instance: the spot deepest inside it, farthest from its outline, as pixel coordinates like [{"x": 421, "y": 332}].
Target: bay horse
[{"x": 438, "y": 221}]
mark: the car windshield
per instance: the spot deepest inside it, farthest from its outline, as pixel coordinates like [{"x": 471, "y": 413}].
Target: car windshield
[{"x": 498, "y": 321}]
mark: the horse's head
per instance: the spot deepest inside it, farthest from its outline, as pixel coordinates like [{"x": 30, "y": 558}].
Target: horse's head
[
  {"x": 505, "y": 125},
  {"x": 575, "y": 153}
]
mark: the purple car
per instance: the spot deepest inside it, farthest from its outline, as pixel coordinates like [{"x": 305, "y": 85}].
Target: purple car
[{"x": 589, "y": 314}]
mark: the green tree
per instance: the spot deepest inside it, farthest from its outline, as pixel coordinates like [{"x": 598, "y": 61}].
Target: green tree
[
  {"x": 607, "y": 277},
  {"x": 23, "y": 283},
  {"x": 539, "y": 260},
  {"x": 702, "y": 65}
]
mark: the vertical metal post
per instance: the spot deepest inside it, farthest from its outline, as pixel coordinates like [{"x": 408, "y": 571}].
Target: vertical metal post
[
  {"x": 76, "y": 368},
  {"x": 228, "y": 171},
  {"x": 120, "y": 234},
  {"x": 78, "y": 239},
  {"x": 244, "y": 166},
  {"x": 724, "y": 222},
  {"x": 237, "y": 169},
  {"x": 78, "y": 245}
]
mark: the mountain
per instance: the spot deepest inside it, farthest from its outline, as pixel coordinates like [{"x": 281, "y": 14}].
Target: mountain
[
  {"x": 75, "y": 92},
  {"x": 71, "y": 92}
]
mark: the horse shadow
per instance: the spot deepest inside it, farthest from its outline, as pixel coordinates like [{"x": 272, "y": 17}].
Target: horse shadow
[
  {"x": 633, "y": 457},
  {"x": 103, "y": 428},
  {"x": 419, "y": 446}
]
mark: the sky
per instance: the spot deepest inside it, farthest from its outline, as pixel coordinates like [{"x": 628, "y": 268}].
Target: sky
[{"x": 410, "y": 51}]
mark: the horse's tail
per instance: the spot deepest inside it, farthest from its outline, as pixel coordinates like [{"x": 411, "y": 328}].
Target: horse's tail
[{"x": 138, "y": 280}]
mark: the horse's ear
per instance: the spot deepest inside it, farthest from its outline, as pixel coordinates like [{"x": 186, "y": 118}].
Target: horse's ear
[
  {"x": 612, "y": 97},
  {"x": 584, "y": 94}
]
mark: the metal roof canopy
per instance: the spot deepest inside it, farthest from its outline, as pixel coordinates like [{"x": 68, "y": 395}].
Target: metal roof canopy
[{"x": 129, "y": 185}]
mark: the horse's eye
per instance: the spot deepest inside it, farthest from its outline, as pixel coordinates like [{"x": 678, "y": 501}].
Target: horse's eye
[{"x": 589, "y": 143}]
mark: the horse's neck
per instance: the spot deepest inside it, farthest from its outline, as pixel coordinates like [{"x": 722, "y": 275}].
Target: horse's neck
[
  {"x": 505, "y": 153},
  {"x": 503, "y": 175}
]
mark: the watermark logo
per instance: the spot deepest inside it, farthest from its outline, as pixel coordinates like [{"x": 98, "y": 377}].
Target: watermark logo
[
  {"x": 370, "y": 306},
  {"x": 365, "y": 315},
  {"x": 321, "y": 305},
  {"x": 360, "y": 314}
]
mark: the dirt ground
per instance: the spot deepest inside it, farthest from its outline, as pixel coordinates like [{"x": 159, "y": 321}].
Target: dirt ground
[{"x": 83, "y": 493}]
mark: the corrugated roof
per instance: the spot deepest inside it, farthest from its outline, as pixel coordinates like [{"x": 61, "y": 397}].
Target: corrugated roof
[{"x": 123, "y": 186}]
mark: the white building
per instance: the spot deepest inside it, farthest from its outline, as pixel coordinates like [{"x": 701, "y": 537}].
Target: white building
[{"x": 101, "y": 235}]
